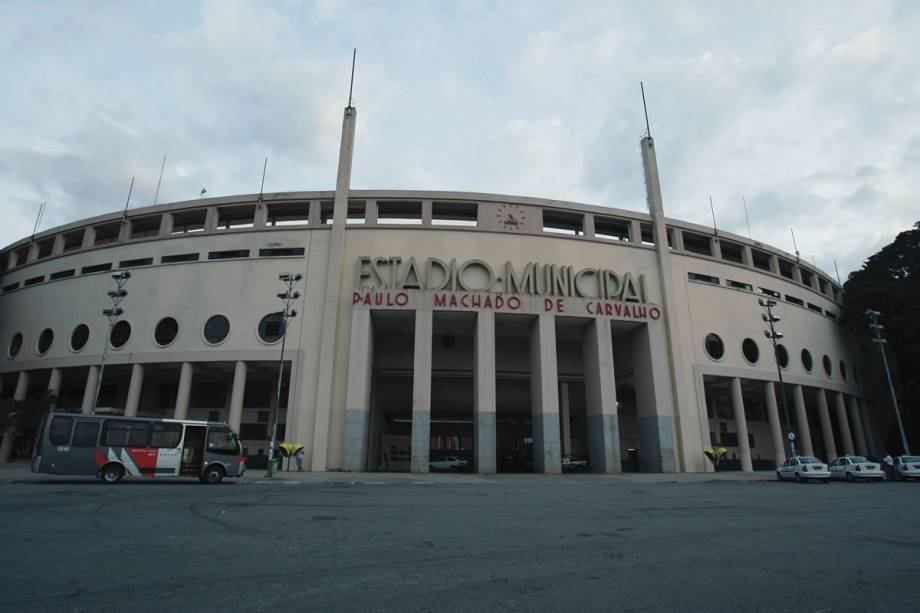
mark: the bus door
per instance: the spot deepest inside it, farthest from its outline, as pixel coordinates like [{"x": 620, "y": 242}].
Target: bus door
[{"x": 193, "y": 450}]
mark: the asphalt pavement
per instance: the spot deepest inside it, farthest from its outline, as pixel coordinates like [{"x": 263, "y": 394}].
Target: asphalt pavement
[{"x": 344, "y": 542}]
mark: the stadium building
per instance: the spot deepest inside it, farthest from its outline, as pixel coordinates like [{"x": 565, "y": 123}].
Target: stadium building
[{"x": 512, "y": 332}]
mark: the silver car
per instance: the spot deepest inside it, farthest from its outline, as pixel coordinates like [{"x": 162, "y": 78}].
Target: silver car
[
  {"x": 853, "y": 467},
  {"x": 803, "y": 468}
]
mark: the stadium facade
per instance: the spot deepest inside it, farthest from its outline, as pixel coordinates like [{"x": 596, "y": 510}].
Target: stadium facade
[{"x": 513, "y": 332}]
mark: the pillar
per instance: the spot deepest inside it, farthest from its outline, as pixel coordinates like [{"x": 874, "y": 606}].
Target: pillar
[
  {"x": 211, "y": 219},
  {"x": 9, "y": 434},
  {"x": 565, "y": 417},
  {"x": 803, "y": 445},
  {"x": 635, "y": 232},
  {"x": 744, "y": 443},
  {"x": 654, "y": 400},
  {"x": 544, "y": 395},
  {"x": 716, "y": 248},
  {"x": 426, "y": 212},
  {"x": 237, "y": 393},
  {"x": 166, "y": 225},
  {"x": 484, "y": 393},
  {"x": 421, "y": 392},
  {"x": 856, "y": 420},
  {"x": 358, "y": 392},
  {"x": 826, "y": 430},
  {"x": 601, "y": 398},
  {"x": 871, "y": 441},
  {"x": 185, "y": 390},
  {"x": 89, "y": 392},
  {"x": 134, "y": 390},
  {"x": 54, "y": 386},
  {"x": 589, "y": 225},
  {"x": 776, "y": 428},
  {"x": 842, "y": 420}
]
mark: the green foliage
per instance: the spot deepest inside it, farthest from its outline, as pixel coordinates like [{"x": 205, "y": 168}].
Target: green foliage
[{"x": 25, "y": 413}]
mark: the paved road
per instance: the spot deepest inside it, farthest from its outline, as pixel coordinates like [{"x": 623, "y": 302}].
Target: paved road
[{"x": 517, "y": 543}]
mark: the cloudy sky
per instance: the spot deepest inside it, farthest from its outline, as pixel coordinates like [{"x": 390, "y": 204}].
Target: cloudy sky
[{"x": 811, "y": 111}]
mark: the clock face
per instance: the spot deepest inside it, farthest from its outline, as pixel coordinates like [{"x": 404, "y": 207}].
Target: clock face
[{"x": 511, "y": 217}]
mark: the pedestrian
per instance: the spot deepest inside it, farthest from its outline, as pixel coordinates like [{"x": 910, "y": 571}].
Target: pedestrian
[
  {"x": 298, "y": 457},
  {"x": 889, "y": 466}
]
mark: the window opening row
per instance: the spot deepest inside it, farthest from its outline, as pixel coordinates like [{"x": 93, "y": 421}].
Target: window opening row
[{"x": 715, "y": 349}]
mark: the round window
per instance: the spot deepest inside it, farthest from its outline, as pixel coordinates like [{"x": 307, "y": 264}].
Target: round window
[
  {"x": 807, "y": 362},
  {"x": 166, "y": 331},
  {"x": 828, "y": 368},
  {"x": 271, "y": 328},
  {"x": 44, "y": 341},
  {"x": 843, "y": 370},
  {"x": 750, "y": 350},
  {"x": 714, "y": 346},
  {"x": 79, "y": 336},
  {"x": 782, "y": 356},
  {"x": 121, "y": 332},
  {"x": 216, "y": 329},
  {"x": 15, "y": 345}
]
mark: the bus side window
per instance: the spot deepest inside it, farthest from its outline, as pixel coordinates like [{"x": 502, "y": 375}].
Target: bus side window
[
  {"x": 222, "y": 441},
  {"x": 60, "y": 430},
  {"x": 85, "y": 434},
  {"x": 126, "y": 434},
  {"x": 166, "y": 435}
]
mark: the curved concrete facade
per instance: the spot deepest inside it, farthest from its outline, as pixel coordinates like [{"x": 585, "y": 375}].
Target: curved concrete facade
[{"x": 513, "y": 331}]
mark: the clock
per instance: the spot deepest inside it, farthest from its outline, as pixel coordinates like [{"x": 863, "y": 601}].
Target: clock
[{"x": 511, "y": 217}]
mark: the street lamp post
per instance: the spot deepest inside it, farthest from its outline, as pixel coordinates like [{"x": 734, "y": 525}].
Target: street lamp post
[
  {"x": 876, "y": 330},
  {"x": 117, "y": 296},
  {"x": 288, "y": 296},
  {"x": 772, "y": 334}
]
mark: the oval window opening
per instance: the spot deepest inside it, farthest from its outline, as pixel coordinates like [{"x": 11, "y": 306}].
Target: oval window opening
[
  {"x": 45, "y": 339},
  {"x": 216, "y": 329},
  {"x": 782, "y": 356},
  {"x": 750, "y": 350},
  {"x": 271, "y": 328},
  {"x": 807, "y": 362},
  {"x": 121, "y": 332},
  {"x": 714, "y": 346},
  {"x": 15, "y": 345},
  {"x": 828, "y": 367},
  {"x": 166, "y": 331}
]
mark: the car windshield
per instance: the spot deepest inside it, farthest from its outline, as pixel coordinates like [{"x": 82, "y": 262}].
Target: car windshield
[
  {"x": 858, "y": 459},
  {"x": 811, "y": 461},
  {"x": 910, "y": 458}
]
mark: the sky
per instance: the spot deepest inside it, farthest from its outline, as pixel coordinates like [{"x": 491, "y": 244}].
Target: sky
[{"x": 808, "y": 111}]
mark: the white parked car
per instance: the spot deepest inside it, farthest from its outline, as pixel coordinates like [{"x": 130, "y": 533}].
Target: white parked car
[
  {"x": 907, "y": 467},
  {"x": 448, "y": 463},
  {"x": 853, "y": 467},
  {"x": 803, "y": 468}
]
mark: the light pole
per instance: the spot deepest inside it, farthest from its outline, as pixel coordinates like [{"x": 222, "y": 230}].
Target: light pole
[
  {"x": 288, "y": 296},
  {"x": 772, "y": 334},
  {"x": 117, "y": 296},
  {"x": 876, "y": 330}
]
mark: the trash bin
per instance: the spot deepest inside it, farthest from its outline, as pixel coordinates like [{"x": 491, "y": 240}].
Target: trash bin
[{"x": 276, "y": 465}]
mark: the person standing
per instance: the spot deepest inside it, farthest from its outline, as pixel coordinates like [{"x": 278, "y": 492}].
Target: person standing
[
  {"x": 298, "y": 457},
  {"x": 889, "y": 466}
]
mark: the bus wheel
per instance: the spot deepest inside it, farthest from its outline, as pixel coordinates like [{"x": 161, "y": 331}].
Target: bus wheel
[
  {"x": 112, "y": 473},
  {"x": 213, "y": 475}
]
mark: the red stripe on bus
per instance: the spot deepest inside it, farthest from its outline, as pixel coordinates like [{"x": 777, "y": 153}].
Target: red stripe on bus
[{"x": 100, "y": 457}]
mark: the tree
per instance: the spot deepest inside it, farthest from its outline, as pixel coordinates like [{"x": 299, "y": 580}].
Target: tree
[{"x": 889, "y": 282}]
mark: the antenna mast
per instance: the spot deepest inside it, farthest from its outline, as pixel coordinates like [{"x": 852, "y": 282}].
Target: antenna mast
[
  {"x": 712, "y": 210},
  {"x": 38, "y": 220},
  {"x": 128, "y": 201},
  {"x": 746, "y": 218},
  {"x": 837, "y": 270},
  {"x": 351, "y": 85},
  {"x": 262, "y": 187},
  {"x": 156, "y": 196},
  {"x": 794, "y": 246},
  {"x": 648, "y": 130}
]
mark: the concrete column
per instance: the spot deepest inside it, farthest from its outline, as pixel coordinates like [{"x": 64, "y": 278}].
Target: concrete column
[
  {"x": 134, "y": 390},
  {"x": 124, "y": 232},
  {"x": 544, "y": 395},
  {"x": 89, "y": 392},
  {"x": 260, "y": 219},
  {"x": 716, "y": 248},
  {"x": 58, "y": 247},
  {"x": 635, "y": 232},
  {"x": 89, "y": 237},
  {"x": 796, "y": 273},
  {"x": 185, "y": 391},
  {"x": 826, "y": 430},
  {"x": 358, "y": 392},
  {"x": 803, "y": 442},
  {"x": 654, "y": 399},
  {"x": 426, "y": 212},
  {"x": 484, "y": 393},
  {"x": 11, "y": 260},
  {"x": 166, "y": 225},
  {"x": 211, "y": 219},
  {"x": 589, "y": 225},
  {"x": 54, "y": 385},
  {"x": 774, "y": 264},
  {"x": 370, "y": 212},
  {"x": 776, "y": 428},
  {"x": 747, "y": 257},
  {"x": 677, "y": 239},
  {"x": 565, "y": 417},
  {"x": 856, "y": 419},
  {"x": 421, "y": 392},
  {"x": 316, "y": 213},
  {"x": 842, "y": 420},
  {"x": 744, "y": 443},
  {"x": 601, "y": 398},
  {"x": 237, "y": 393},
  {"x": 33, "y": 253},
  {"x": 868, "y": 428},
  {"x": 9, "y": 435}
]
